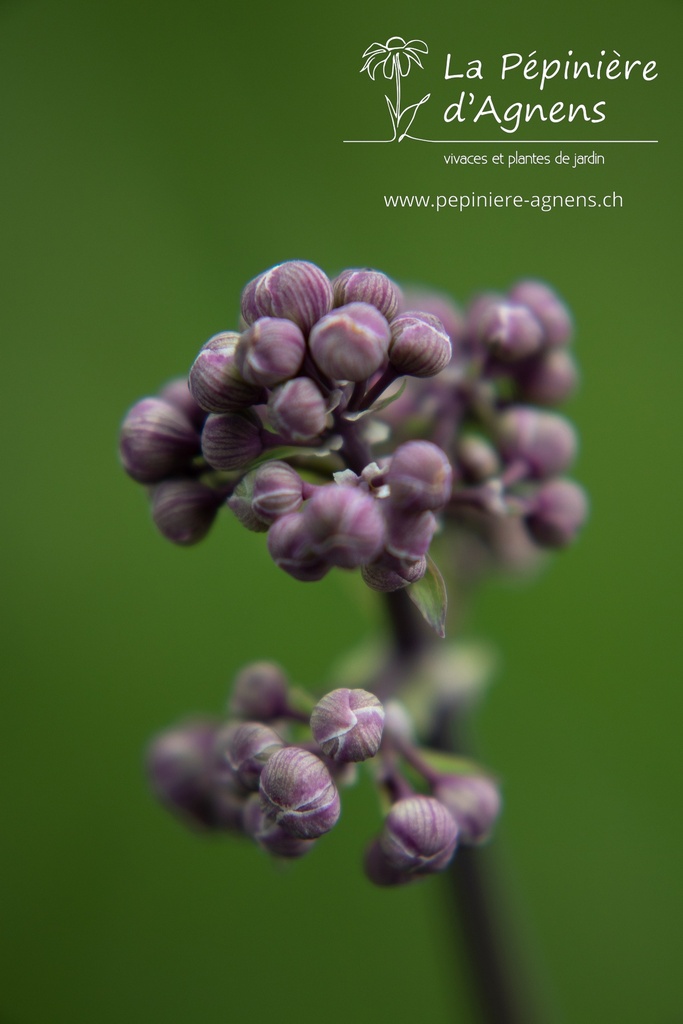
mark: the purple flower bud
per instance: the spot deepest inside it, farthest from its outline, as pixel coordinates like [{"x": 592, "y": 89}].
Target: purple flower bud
[
  {"x": 409, "y": 534},
  {"x": 177, "y": 393},
  {"x": 347, "y": 724},
  {"x": 545, "y": 441},
  {"x": 178, "y": 771},
  {"x": 560, "y": 510},
  {"x": 260, "y": 692},
  {"x": 510, "y": 331},
  {"x": 351, "y": 343},
  {"x": 296, "y": 290},
  {"x": 389, "y": 573},
  {"x": 232, "y": 440},
  {"x": 419, "y": 835},
  {"x": 247, "y": 748},
  {"x": 440, "y": 306},
  {"x": 183, "y": 510},
  {"x": 419, "y": 477},
  {"x": 548, "y": 309},
  {"x": 420, "y": 345},
  {"x": 270, "y": 352},
  {"x": 477, "y": 458},
  {"x": 345, "y": 526},
  {"x": 157, "y": 440},
  {"x": 271, "y": 837},
  {"x": 214, "y": 380},
  {"x": 241, "y": 504},
  {"x": 474, "y": 801},
  {"x": 367, "y": 286},
  {"x": 277, "y": 490},
  {"x": 298, "y": 793},
  {"x": 290, "y": 548},
  {"x": 297, "y": 410},
  {"x": 378, "y": 869},
  {"x": 549, "y": 379}
]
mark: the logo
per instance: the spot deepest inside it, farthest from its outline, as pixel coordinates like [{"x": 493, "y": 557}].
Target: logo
[{"x": 395, "y": 58}]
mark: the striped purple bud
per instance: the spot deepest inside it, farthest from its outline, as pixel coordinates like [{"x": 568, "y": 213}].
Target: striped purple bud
[
  {"x": 368, "y": 286},
  {"x": 351, "y": 342},
  {"x": 178, "y": 769},
  {"x": 178, "y": 394},
  {"x": 247, "y": 748},
  {"x": 270, "y": 352},
  {"x": 510, "y": 331},
  {"x": 347, "y": 724},
  {"x": 297, "y": 410},
  {"x": 389, "y": 573},
  {"x": 550, "y": 379},
  {"x": 474, "y": 801},
  {"x": 345, "y": 526},
  {"x": 420, "y": 345},
  {"x": 419, "y": 835},
  {"x": 548, "y": 309},
  {"x": 298, "y": 793},
  {"x": 276, "y": 491},
  {"x": 419, "y": 477},
  {"x": 296, "y": 290},
  {"x": 183, "y": 510},
  {"x": 439, "y": 305},
  {"x": 268, "y": 835},
  {"x": 378, "y": 869},
  {"x": 214, "y": 380},
  {"x": 232, "y": 440},
  {"x": 157, "y": 440},
  {"x": 560, "y": 509},
  {"x": 290, "y": 548},
  {"x": 409, "y": 534},
  {"x": 545, "y": 441},
  {"x": 260, "y": 692}
]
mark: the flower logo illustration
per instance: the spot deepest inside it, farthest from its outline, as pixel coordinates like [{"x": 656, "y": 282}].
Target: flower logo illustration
[{"x": 395, "y": 58}]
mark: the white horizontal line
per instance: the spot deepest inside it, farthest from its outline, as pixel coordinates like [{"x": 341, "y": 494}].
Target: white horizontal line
[{"x": 522, "y": 142}]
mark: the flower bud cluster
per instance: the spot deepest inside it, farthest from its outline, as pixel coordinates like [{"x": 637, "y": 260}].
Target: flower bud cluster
[
  {"x": 272, "y": 772},
  {"x": 269, "y": 771}
]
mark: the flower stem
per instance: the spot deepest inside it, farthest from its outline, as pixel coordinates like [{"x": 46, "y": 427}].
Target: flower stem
[{"x": 498, "y": 981}]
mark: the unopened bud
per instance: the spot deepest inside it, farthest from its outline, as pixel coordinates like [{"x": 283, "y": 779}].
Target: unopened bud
[
  {"x": 298, "y": 793},
  {"x": 378, "y": 869},
  {"x": 477, "y": 458},
  {"x": 560, "y": 510},
  {"x": 277, "y": 490},
  {"x": 247, "y": 749},
  {"x": 260, "y": 692},
  {"x": 297, "y": 410},
  {"x": 296, "y": 290},
  {"x": 550, "y": 379},
  {"x": 545, "y": 441},
  {"x": 178, "y": 394},
  {"x": 351, "y": 342},
  {"x": 408, "y": 534},
  {"x": 548, "y": 309},
  {"x": 510, "y": 331},
  {"x": 232, "y": 440},
  {"x": 440, "y": 306},
  {"x": 419, "y": 835},
  {"x": 389, "y": 573},
  {"x": 474, "y": 801},
  {"x": 347, "y": 724},
  {"x": 345, "y": 525},
  {"x": 214, "y": 380},
  {"x": 420, "y": 345},
  {"x": 290, "y": 548},
  {"x": 419, "y": 477},
  {"x": 270, "y": 351},
  {"x": 268, "y": 835},
  {"x": 157, "y": 440},
  {"x": 178, "y": 770},
  {"x": 183, "y": 510},
  {"x": 367, "y": 286}
]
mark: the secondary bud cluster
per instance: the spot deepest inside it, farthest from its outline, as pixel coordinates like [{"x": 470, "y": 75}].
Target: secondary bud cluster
[
  {"x": 272, "y": 772},
  {"x": 262, "y": 772}
]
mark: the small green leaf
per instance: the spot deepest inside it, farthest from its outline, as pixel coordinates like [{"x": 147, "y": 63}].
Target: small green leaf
[
  {"x": 451, "y": 764},
  {"x": 430, "y": 598},
  {"x": 289, "y": 451},
  {"x": 378, "y": 406}
]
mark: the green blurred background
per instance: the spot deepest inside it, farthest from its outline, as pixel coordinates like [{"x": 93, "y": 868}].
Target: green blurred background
[{"x": 154, "y": 158}]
